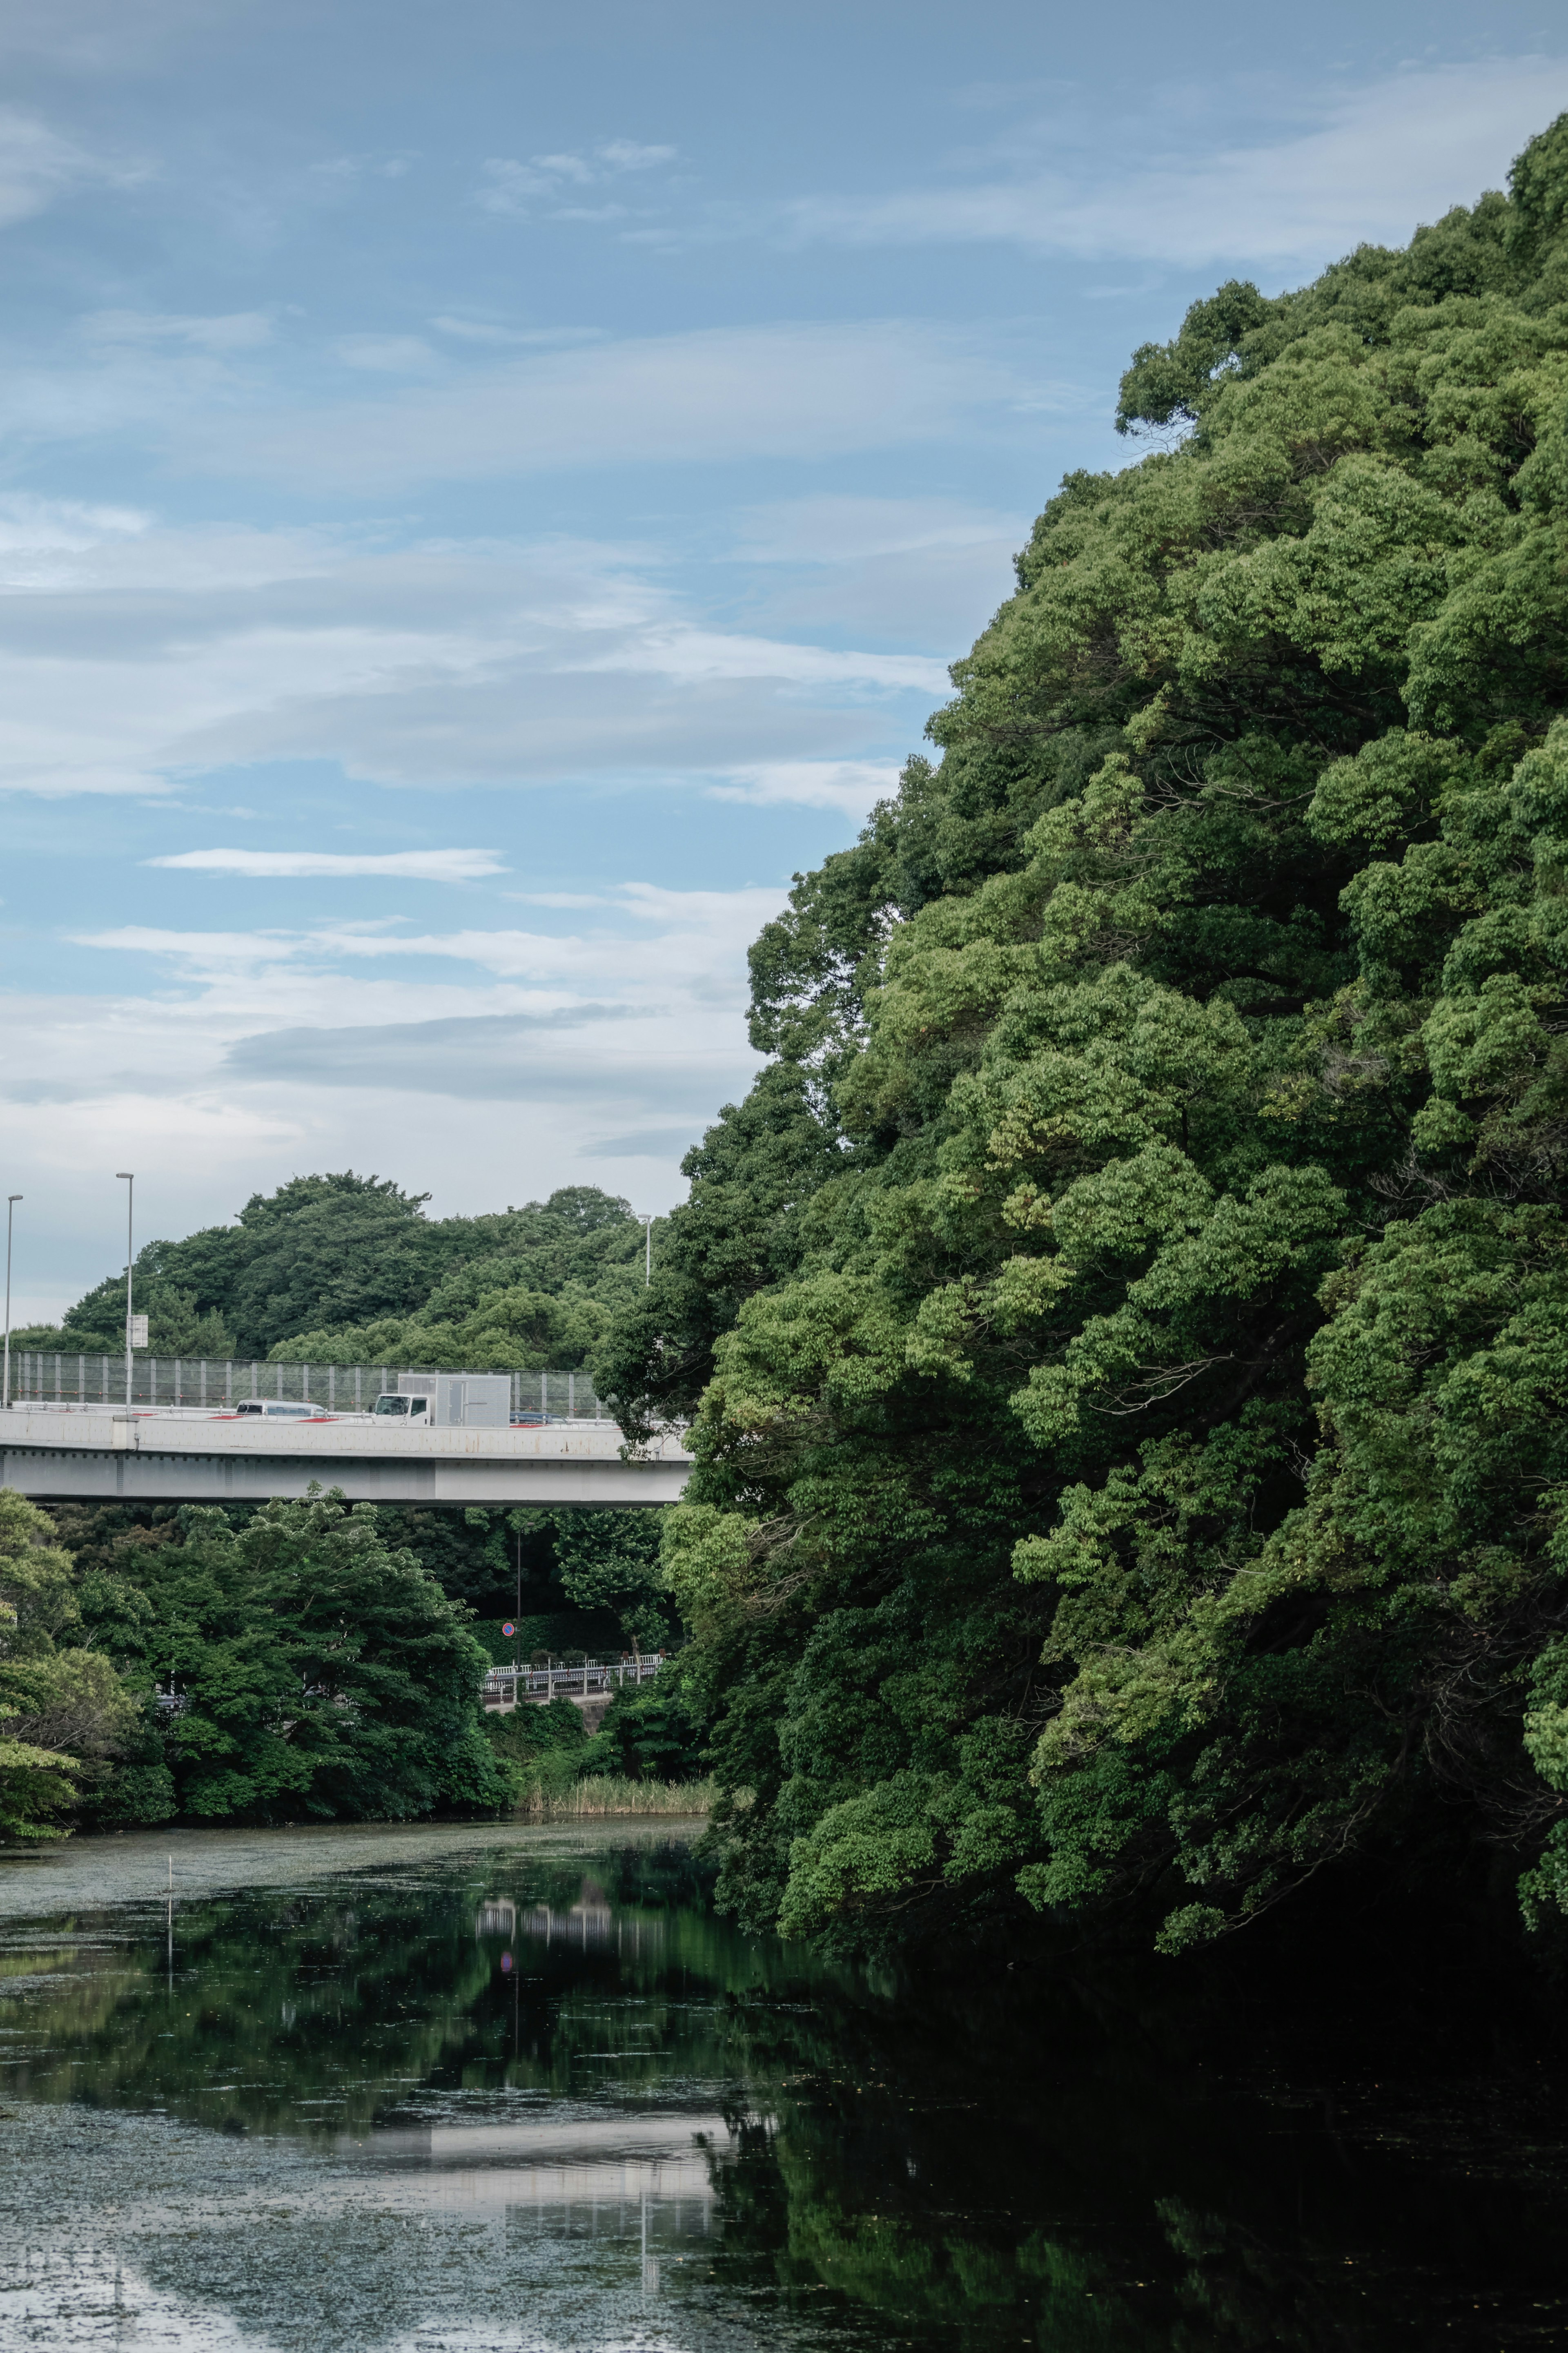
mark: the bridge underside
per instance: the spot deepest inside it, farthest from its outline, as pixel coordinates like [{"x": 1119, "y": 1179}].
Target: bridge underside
[{"x": 79, "y": 1474}]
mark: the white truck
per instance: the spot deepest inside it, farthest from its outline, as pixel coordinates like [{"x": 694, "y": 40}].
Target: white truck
[{"x": 450, "y": 1400}]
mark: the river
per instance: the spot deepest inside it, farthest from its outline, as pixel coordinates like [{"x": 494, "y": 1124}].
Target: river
[{"x": 450, "y": 2090}]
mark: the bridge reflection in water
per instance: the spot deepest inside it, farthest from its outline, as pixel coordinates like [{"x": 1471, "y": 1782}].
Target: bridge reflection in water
[
  {"x": 591, "y": 1923},
  {"x": 651, "y": 2180}
]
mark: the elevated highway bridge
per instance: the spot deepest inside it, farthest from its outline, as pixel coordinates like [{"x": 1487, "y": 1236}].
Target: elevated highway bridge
[{"x": 55, "y": 1454}]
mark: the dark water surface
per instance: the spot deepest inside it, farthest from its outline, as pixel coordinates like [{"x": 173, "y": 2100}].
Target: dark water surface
[{"x": 457, "y": 2090}]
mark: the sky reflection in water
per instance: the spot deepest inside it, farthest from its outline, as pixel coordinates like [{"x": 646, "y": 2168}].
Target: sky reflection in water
[{"x": 474, "y": 2090}]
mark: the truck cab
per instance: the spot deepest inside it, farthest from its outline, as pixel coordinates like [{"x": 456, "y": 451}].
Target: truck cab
[{"x": 448, "y": 1400}]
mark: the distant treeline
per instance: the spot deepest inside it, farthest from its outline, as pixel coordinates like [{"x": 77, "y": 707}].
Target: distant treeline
[{"x": 348, "y": 1270}]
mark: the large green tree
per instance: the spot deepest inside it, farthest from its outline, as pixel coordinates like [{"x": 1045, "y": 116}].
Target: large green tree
[
  {"x": 305, "y": 1667},
  {"x": 1127, "y": 1325}
]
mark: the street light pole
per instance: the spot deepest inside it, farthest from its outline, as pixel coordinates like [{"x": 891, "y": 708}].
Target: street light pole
[
  {"x": 127, "y": 1177},
  {"x": 648, "y": 1261},
  {"x": 11, "y": 1201}
]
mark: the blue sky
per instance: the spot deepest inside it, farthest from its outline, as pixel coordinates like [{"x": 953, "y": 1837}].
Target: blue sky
[{"x": 489, "y": 492}]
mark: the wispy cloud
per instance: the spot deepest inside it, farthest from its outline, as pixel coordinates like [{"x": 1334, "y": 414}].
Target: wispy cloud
[
  {"x": 136, "y": 654},
  {"x": 711, "y": 396},
  {"x": 247, "y": 1040},
  {"x": 228, "y": 330},
  {"x": 486, "y": 331},
  {"x": 364, "y": 167},
  {"x": 387, "y": 355},
  {"x": 39, "y": 165},
  {"x": 843, "y": 561},
  {"x": 853, "y": 786},
  {"x": 514, "y": 187},
  {"x": 1345, "y": 166},
  {"x": 409, "y": 865}
]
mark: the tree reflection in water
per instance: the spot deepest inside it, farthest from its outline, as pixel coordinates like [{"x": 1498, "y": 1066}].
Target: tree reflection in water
[{"x": 527, "y": 2094}]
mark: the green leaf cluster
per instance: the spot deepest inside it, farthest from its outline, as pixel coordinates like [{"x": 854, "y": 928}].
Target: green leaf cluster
[{"x": 1127, "y": 1324}]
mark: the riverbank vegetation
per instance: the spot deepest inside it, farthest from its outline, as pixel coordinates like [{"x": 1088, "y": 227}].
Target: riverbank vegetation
[
  {"x": 314, "y": 1662},
  {"x": 595, "y": 1797},
  {"x": 1127, "y": 1322}
]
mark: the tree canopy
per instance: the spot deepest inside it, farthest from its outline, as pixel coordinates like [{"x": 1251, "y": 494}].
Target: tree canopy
[
  {"x": 348, "y": 1270},
  {"x": 275, "y": 1663},
  {"x": 1127, "y": 1323}
]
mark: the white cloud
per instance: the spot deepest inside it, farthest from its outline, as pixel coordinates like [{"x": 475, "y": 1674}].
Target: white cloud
[
  {"x": 412, "y": 865},
  {"x": 835, "y": 528},
  {"x": 558, "y": 898},
  {"x": 485, "y": 330},
  {"x": 228, "y": 330},
  {"x": 39, "y": 165},
  {"x": 250, "y": 1055},
  {"x": 844, "y": 561},
  {"x": 510, "y": 186},
  {"x": 35, "y": 534},
  {"x": 688, "y": 653},
  {"x": 1353, "y": 164},
  {"x": 711, "y": 396},
  {"x": 360, "y": 167},
  {"x": 387, "y": 355},
  {"x": 99, "y": 34},
  {"x": 629, "y": 155},
  {"x": 853, "y": 786},
  {"x": 702, "y": 935},
  {"x": 135, "y": 653}
]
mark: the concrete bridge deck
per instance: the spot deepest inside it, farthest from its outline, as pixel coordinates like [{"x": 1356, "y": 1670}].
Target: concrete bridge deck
[{"x": 57, "y": 1455}]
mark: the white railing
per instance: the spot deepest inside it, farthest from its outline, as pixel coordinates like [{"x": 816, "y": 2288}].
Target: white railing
[
  {"x": 506, "y": 1686},
  {"x": 208, "y": 1384}
]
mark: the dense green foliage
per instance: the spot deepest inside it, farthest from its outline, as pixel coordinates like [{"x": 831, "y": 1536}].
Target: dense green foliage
[
  {"x": 655, "y": 1731},
  {"x": 282, "y": 1663},
  {"x": 323, "y": 1662},
  {"x": 347, "y": 1270},
  {"x": 64, "y": 1713},
  {"x": 1129, "y": 1314},
  {"x": 573, "y": 1582}
]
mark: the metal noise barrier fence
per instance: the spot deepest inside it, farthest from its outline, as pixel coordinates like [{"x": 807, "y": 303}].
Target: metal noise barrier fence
[{"x": 50, "y": 1376}]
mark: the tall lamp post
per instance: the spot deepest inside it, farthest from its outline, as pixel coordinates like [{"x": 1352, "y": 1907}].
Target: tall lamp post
[
  {"x": 647, "y": 1260},
  {"x": 127, "y": 1177},
  {"x": 11, "y": 1201}
]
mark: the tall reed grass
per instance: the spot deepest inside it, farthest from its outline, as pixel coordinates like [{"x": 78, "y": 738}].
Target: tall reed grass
[{"x": 601, "y": 1795}]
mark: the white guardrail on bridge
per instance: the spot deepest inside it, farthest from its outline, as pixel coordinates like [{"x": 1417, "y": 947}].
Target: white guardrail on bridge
[
  {"x": 208, "y": 1384},
  {"x": 511, "y": 1686}
]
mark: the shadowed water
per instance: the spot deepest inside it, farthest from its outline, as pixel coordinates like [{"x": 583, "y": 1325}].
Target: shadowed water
[{"x": 469, "y": 2089}]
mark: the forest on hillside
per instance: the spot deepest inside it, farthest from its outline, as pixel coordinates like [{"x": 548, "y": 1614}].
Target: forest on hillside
[
  {"x": 1126, "y": 1323},
  {"x": 348, "y": 1270}
]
